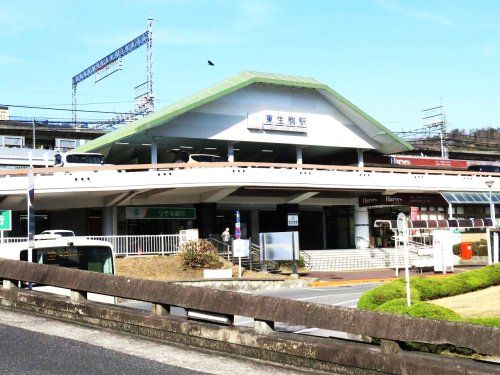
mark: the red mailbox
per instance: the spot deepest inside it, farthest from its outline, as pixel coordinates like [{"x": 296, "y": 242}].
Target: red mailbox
[{"x": 466, "y": 250}]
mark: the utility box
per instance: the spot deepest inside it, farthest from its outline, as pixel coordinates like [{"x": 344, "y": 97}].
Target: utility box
[{"x": 466, "y": 250}]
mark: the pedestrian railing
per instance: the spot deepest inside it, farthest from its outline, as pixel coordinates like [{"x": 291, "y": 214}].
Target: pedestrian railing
[{"x": 162, "y": 244}]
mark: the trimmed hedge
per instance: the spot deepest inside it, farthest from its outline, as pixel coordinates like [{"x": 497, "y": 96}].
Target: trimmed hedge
[
  {"x": 419, "y": 309},
  {"x": 428, "y": 288},
  {"x": 385, "y": 293}
]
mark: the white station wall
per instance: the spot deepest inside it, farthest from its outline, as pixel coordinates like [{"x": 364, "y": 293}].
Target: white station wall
[{"x": 227, "y": 119}]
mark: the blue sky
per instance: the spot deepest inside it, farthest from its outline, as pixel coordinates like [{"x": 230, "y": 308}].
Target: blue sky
[{"x": 391, "y": 58}]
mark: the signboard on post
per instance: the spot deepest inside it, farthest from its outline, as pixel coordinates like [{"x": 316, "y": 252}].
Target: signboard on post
[
  {"x": 241, "y": 248},
  {"x": 293, "y": 220},
  {"x": 403, "y": 232},
  {"x": 5, "y": 220}
]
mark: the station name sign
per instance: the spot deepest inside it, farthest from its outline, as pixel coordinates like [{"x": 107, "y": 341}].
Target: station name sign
[
  {"x": 277, "y": 121},
  {"x": 165, "y": 213},
  {"x": 401, "y": 200}
]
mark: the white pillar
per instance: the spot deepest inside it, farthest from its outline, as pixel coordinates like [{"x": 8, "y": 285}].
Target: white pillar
[
  {"x": 154, "y": 151},
  {"x": 230, "y": 152},
  {"x": 361, "y": 227},
  {"x": 450, "y": 211},
  {"x": 109, "y": 221},
  {"x": 299, "y": 154},
  {"x": 361, "y": 161}
]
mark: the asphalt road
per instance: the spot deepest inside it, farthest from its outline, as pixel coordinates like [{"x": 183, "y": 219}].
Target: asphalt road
[
  {"x": 37, "y": 345},
  {"x": 27, "y": 352}
]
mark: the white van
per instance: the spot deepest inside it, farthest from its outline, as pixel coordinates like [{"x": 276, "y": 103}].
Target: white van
[
  {"x": 74, "y": 159},
  {"x": 71, "y": 252}
]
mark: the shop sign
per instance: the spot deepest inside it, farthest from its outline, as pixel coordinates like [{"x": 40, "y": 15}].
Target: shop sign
[
  {"x": 380, "y": 200},
  {"x": 402, "y": 200},
  {"x": 5, "y": 220},
  {"x": 293, "y": 220},
  {"x": 409, "y": 161},
  {"x": 162, "y": 213},
  {"x": 278, "y": 121}
]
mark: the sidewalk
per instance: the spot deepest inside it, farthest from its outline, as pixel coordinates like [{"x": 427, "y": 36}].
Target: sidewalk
[{"x": 334, "y": 278}]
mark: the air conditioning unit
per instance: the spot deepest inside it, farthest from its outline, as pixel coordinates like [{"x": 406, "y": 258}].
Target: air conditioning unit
[
  {"x": 12, "y": 141},
  {"x": 66, "y": 144}
]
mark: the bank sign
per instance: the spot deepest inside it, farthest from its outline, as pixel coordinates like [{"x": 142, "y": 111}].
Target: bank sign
[
  {"x": 278, "y": 121},
  {"x": 5, "y": 220},
  {"x": 161, "y": 213}
]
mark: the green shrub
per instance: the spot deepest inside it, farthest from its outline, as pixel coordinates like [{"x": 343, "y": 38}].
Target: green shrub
[
  {"x": 199, "y": 254},
  {"x": 288, "y": 264},
  {"x": 479, "y": 248},
  {"x": 418, "y": 310},
  {"x": 384, "y": 293},
  {"x": 429, "y": 288},
  {"x": 493, "y": 322}
]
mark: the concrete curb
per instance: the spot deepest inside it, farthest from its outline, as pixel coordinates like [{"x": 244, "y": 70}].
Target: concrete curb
[
  {"x": 318, "y": 284},
  {"x": 241, "y": 285}
]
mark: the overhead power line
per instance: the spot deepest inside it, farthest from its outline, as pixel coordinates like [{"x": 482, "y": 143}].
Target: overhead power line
[{"x": 64, "y": 109}]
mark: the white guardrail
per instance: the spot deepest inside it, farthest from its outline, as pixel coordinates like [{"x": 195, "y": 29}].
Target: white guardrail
[{"x": 162, "y": 244}]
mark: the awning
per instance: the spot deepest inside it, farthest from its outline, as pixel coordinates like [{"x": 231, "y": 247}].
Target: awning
[
  {"x": 437, "y": 224},
  {"x": 455, "y": 197}
]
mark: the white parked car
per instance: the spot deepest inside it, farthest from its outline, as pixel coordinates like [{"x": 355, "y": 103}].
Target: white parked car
[
  {"x": 199, "y": 158},
  {"x": 59, "y": 232}
]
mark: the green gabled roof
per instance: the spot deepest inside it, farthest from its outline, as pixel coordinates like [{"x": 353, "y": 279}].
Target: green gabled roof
[{"x": 225, "y": 87}]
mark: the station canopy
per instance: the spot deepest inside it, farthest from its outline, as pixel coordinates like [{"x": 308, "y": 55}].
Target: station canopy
[
  {"x": 455, "y": 197},
  {"x": 437, "y": 224},
  {"x": 178, "y": 124}
]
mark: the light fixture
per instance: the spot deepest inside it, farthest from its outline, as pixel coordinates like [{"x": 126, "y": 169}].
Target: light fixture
[
  {"x": 210, "y": 148},
  {"x": 267, "y": 150},
  {"x": 186, "y": 147},
  {"x": 146, "y": 144},
  {"x": 122, "y": 143}
]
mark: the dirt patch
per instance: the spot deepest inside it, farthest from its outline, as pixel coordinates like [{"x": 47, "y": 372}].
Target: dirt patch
[
  {"x": 169, "y": 268},
  {"x": 483, "y": 303}
]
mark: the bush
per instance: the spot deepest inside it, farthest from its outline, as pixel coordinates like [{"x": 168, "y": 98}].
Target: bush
[
  {"x": 493, "y": 322},
  {"x": 418, "y": 310},
  {"x": 428, "y": 288},
  {"x": 199, "y": 254},
  {"x": 384, "y": 293},
  {"x": 479, "y": 248},
  {"x": 288, "y": 263}
]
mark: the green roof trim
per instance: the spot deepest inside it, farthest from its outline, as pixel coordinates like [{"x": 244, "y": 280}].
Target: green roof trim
[{"x": 223, "y": 88}]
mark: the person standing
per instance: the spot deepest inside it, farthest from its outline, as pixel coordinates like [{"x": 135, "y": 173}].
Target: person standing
[{"x": 226, "y": 236}]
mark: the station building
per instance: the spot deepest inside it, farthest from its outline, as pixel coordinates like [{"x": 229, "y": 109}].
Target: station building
[{"x": 294, "y": 152}]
